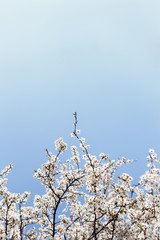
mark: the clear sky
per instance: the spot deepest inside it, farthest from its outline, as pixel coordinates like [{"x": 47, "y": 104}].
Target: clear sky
[{"x": 100, "y": 58}]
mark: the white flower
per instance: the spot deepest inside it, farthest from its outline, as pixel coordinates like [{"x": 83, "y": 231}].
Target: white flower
[
  {"x": 151, "y": 150},
  {"x": 60, "y": 145},
  {"x": 78, "y": 131}
]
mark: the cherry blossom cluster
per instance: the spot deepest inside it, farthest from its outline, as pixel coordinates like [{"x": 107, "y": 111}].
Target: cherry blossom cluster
[{"x": 84, "y": 199}]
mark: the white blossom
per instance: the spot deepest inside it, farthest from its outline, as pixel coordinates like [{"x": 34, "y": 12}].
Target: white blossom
[{"x": 84, "y": 199}]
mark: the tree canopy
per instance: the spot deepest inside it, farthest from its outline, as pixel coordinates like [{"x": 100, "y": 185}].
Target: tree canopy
[{"x": 84, "y": 199}]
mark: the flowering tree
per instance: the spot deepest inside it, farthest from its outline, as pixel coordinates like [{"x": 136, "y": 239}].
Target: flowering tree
[
  {"x": 14, "y": 216},
  {"x": 84, "y": 201}
]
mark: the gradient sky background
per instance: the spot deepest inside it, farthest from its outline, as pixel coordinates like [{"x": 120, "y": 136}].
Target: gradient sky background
[{"x": 100, "y": 58}]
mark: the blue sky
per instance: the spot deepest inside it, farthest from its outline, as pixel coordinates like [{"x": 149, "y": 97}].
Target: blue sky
[{"x": 99, "y": 58}]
